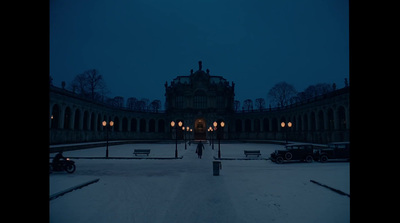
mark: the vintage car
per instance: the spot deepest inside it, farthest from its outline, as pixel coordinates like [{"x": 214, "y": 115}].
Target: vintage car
[
  {"x": 296, "y": 152},
  {"x": 334, "y": 151}
]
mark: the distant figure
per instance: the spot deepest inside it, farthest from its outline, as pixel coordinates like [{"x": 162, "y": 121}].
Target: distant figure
[{"x": 199, "y": 149}]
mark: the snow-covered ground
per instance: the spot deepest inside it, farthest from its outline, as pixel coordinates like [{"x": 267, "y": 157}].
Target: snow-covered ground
[{"x": 185, "y": 190}]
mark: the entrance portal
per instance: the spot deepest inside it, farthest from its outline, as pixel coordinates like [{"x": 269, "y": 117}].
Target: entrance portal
[{"x": 200, "y": 129}]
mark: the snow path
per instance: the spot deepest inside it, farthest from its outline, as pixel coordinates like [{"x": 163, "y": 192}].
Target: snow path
[
  {"x": 201, "y": 196},
  {"x": 185, "y": 190}
]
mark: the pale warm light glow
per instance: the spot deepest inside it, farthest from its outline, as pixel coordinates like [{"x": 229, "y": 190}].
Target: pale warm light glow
[
  {"x": 283, "y": 124},
  {"x": 222, "y": 124},
  {"x": 104, "y": 123},
  {"x": 180, "y": 124},
  {"x": 111, "y": 123},
  {"x": 289, "y": 124},
  {"x": 215, "y": 124},
  {"x": 172, "y": 124}
]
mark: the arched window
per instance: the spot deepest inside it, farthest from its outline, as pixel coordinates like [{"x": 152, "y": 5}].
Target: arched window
[
  {"x": 312, "y": 120},
  {"x": 152, "y": 125},
  {"x": 342, "y": 118},
  {"x": 116, "y": 124},
  {"x": 67, "y": 118},
  {"x": 133, "y": 125},
  {"x": 142, "y": 125},
  {"x": 92, "y": 121},
  {"x": 247, "y": 125},
  {"x": 77, "y": 119},
  {"x": 321, "y": 120},
  {"x": 266, "y": 125},
  {"x": 55, "y": 117},
  {"x": 161, "y": 125},
  {"x": 257, "y": 125},
  {"x": 274, "y": 125},
  {"x": 305, "y": 122},
  {"x": 99, "y": 123},
  {"x": 331, "y": 124},
  {"x": 124, "y": 124},
  {"x": 299, "y": 127},
  {"x": 86, "y": 120},
  {"x": 238, "y": 125}
]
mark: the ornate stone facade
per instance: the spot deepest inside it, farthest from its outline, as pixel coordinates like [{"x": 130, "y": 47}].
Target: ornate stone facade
[{"x": 198, "y": 100}]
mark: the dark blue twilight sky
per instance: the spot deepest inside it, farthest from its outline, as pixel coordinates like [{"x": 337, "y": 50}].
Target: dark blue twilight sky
[{"x": 138, "y": 45}]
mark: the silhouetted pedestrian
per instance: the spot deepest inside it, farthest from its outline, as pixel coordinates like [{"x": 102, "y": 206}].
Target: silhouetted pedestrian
[{"x": 199, "y": 149}]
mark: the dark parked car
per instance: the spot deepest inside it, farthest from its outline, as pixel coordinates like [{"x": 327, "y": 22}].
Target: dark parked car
[
  {"x": 296, "y": 152},
  {"x": 335, "y": 151}
]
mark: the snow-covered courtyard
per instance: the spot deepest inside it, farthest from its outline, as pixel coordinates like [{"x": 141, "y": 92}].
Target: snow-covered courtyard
[{"x": 185, "y": 190}]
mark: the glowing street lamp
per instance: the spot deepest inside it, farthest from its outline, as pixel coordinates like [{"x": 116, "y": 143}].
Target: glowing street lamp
[
  {"x": 176, "y": 136},
  {"x": 110, "y": 124},
  {"x": 220, "y": 131},
  {"x": 289, "y": 125},
  {"x": 210, "y": 130},
  {"x": 185, "y": 130}
]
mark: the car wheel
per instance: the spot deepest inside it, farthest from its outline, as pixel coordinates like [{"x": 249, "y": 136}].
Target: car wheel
[
  {"x": 279, "y": 159},
  {"x": 323, "y": 159},
  {"x": 288, "y": 155},
  {"x": 309, "y": 159}
]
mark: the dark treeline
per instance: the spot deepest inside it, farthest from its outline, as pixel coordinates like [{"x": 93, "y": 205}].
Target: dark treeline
[
  {"x": 90, "y": 84},
  {"x": 284, "y": 94}
]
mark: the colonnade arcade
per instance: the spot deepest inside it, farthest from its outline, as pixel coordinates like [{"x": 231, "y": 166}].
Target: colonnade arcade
[{"x": 72, "y": 119}]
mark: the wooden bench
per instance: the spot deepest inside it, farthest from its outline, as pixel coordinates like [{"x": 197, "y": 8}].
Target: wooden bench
[
  {"x": 252, "y": 152},
  {"x": 141, "y": 151}
]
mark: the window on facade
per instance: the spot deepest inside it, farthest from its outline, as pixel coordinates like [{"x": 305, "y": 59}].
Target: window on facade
[
  {"x": 179, "y": 102},
  {"x": 200, "y": 100},
  {"x": 220, "y": 102}
]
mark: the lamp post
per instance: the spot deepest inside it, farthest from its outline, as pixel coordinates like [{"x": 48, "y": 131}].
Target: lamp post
[
  {"x": 210, "y": 132},
  {"x": 190, "y": 134},
  {"x": 213, "y": 129},
  {"x": 187, "y": 135},
  {"x": 110, "y": 124},
  {"x": 176, "y": 136},
  {"x": 220, "y": 131},
  {"x": 185, "y": 129},
  {"x": 289, "y": 125}
]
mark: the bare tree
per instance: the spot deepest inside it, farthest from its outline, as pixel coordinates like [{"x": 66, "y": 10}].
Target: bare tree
[
  {"x": 118, "y": 102},
  {"x": 89, "y": 84},
  {"x": 260, "y": 103},
  {"x": 282, "y": 93},
  {"x": 236, "y": 105},
  {"x": 155, "y": 105},
  {"x": 142, "y": 104},
  {"x": 248, "y": 103},
  {"x": 131, "y": 103},
  {"x": 145, "y": 104},
  {"x": 314, "y": 91},
  {"x": 78, "y": 85},
  {"x": 95, "y": 82}
]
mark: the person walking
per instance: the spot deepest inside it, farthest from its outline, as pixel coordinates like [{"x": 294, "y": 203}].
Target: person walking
[{"x": 199, "y": 149}]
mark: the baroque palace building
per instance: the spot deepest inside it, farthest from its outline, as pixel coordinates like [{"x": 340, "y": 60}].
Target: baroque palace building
[{"x": 198, "y": 100}]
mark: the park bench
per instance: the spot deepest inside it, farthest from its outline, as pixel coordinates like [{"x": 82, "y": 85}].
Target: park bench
[
  {"x": 141, "y": 151},
  {"x": 252, "y": 152}
]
